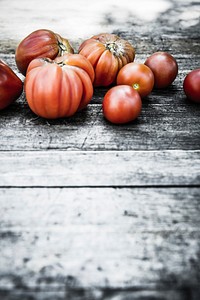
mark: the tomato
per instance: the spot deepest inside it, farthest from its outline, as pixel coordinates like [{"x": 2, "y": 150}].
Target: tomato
[
  {"x": 40, "y": 43},
  {"x": 137, "y": 75},
  {"x": 11, "y": 85},
  {"x": 108, "y": 53},
  {"x": 58, "y": 88},
  {"x": 191, "y": 85},
  {"x": 164, "y": 67},
  {"x": 121, "y": 104}
]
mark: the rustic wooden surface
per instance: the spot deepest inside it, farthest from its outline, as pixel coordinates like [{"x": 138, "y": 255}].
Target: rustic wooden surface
[{"x": 91, "y": 210}]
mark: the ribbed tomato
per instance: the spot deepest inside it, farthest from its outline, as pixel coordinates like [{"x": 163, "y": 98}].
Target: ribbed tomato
[
  {"x": 11, "y": 85},
  {"x": 58, "y": 88},
  {"x": 40, "y": 43},
  {"x": 108, "y": 53}
]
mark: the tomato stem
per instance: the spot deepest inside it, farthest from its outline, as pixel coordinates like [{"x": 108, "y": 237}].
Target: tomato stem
[
  {"x": 61, "y": 64},
  {"x": 46, "y": 59},
  {"x": 62, "y": 47},
  {"x": 135, "y": 86},
  {"x": 114, "y": 48}
]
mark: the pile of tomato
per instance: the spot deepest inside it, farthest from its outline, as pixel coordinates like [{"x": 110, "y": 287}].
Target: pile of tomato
[{"x": 59, "y": 82}]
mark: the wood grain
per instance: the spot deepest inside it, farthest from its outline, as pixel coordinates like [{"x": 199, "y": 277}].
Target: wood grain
[
  {"x": 103, "y": 294},
  {"x": 94, "y": 211},
  {"x": 167, "y": 121},
  {"x": 162, "y": 125},
  {"x": 99, "y": 168},
  {"x": 99, "y": 243}
]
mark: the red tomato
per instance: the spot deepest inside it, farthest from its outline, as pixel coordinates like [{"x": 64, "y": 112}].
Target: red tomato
[
  {"x": 108, "y": 53},
  {"x": 164, "y": 67},
  {"x": 11, "y": 85},
  {"x": 40, "y": 43},
  {"x": 59, "y": 88},
  {"x": 121, "y": 104},
  {"x": 191, "y": 85},
  {"x": 139, "y": 76}
]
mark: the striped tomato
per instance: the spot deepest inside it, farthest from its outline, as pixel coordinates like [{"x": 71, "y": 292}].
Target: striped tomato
[
  {"x": 58, "y": 88},
  {"x": 40, "y": 43},
  {"x": 108, "y": 53}
]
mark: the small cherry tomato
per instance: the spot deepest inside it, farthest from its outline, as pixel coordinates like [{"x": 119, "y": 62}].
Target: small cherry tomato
[
  {"x": 40, "y": 43},
  {"x": 58, "y": 88},
  {"x": 11, "y": 85},
  {"x": 164, "y": 67},
  {"x": 139, "y": 76},
  {"x": 191, "y": 85},
  {"x": 108, "y": 53},
  {"x": 121, "y": 104}
]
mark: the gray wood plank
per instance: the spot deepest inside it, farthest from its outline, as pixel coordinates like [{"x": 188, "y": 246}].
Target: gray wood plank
[
  {"x": 99, "y": 243},
  {"x": 98, "y": 294},
  {"x": 164, "y": 124},
  {"x": 99, "y": 168},
  {"x": 168, "y": 20},
  {"x": 120, "y": 224},
  {"x": 149, "y": 208},
  {"x": 167, "y": 121}
]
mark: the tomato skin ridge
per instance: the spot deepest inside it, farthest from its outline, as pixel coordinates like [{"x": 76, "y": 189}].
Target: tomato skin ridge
[
  {"x": 108, "y": 75},
  {"x": 40, "y": 43},
  {"x": 85, "y": 80},
  {"x": 26, "y": 87},
  {"x": 121, "y": 53},
  {"x": 59, "y": 88}
]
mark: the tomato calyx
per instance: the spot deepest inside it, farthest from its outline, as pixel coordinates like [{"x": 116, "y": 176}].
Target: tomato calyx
[
  {"x": 115, "y": 48},
  {"x": 62, "y": 48},
  {"x": 136, "y": 86},
  {"x": 50, "y": 61},
  {"x": 63, "y": 45},
  {"x": 60, "y": 64}
]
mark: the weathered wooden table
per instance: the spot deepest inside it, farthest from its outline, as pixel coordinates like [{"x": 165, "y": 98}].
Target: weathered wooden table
[{"x": 91, "y": 210}]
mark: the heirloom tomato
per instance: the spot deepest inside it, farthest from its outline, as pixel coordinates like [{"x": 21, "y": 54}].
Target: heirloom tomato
[
  {"x": 108, "y": 53},
  {"x": 58, "y": 88},
  {"x": 40, "y": 43},
  {"x": 121, "y": 104},
  {"x": 138, "y": 76},
  {"x": 191, "y": 85},
  {"x": 164, "y": 68},
  {"x": 11, "y": 85}
]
